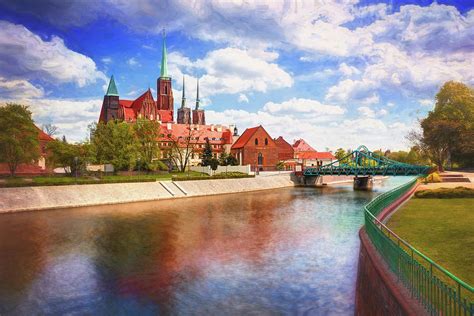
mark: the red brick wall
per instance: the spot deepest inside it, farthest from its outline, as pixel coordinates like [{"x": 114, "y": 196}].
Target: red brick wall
[
  {"x": 285, "y": 150},
  {"x": 165, "y": 94},
  {"x": 269, "y": 151}
]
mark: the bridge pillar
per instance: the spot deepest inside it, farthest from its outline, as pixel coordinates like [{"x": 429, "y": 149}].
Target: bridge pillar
[{"x": 363, "y": 183}]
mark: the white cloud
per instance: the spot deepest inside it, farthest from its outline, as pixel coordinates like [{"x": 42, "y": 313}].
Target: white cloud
[
  {"x": 426, "y": 102},
  {"x": 243, "y": 98},
  {"x": 366, "y": 111},
  {"x": 133, "y": 62},
  {"x": 25, "y": 55},
  {"x": 233, "y": 70},
  {"x": 19, "y": 89},
  {"x": 303, "y": 106},
  {"x": 106, "y": 60},
  {"x": 71, "y": 116},
  {"x": 348, "y": 70},
  {"x": 382, "y": 112}
]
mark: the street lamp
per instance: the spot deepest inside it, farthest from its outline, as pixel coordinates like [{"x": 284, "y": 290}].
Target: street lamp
[
  {"x": 139, "y": 165},
  {"x": 75, "y": 163}
]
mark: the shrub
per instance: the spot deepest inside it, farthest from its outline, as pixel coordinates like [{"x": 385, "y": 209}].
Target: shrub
[
  {"x": 446, "y": 193},
  {"x": 432, "y": 178}
]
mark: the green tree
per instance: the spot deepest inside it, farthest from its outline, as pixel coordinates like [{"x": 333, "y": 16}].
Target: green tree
[
  {"x": 207, "y": 153},
  {"x": 223, "y": 159},
  {"x": 115, "y": 143},
  {"x": 231, "y": 160},
  {"x": 72, "y": 157},
  {"x": 341, "y": 154},
  {"x": 18, "y": 136},
  {"x": 147, "y": 133},
  {"x": 448, "y": 131}
]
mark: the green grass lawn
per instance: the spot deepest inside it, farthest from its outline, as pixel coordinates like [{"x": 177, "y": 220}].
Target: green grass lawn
[
  {"x": 65, "y": 180},
  {"x": 442, "y": 229}
]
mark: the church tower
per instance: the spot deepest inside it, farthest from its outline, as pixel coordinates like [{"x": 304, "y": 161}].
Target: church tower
[
  {"x": 184, "y": 113},
  {"x": 198, "y": 114},
  {"x": 110, "y": 105},
  {"x": 164, "y": 90}
]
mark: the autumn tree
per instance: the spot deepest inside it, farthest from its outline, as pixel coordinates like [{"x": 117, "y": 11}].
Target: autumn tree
[{"x": 18, "y": 136}]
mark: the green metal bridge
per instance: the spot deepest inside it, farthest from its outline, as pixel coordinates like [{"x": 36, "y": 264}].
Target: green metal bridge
[{"x": 362, "y": 163}]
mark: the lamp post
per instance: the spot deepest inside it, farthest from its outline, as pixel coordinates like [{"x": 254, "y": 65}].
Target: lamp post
[
  {"x": 75, "y": 169},
  {"x": 139, "y": 165}
]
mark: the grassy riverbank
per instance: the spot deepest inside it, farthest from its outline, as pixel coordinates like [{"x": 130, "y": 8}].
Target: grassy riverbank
[
  {"x": 69, "y": 180},
  {"x": 442, "y": 228}
]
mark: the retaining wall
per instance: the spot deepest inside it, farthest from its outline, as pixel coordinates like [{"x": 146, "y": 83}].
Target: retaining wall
[
  {"x": 378, "y": 291},
  {"x": 51, "y": 197}
]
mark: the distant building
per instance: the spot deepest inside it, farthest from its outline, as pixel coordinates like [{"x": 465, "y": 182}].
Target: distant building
[
  {"x": 308, "y": 156},
  {"x": 257, "y": 148}
]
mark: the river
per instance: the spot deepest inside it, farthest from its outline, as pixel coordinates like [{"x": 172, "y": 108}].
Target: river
[{"x": 285, "y": 251}]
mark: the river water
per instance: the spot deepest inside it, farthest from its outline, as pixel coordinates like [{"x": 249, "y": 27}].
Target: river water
[{"x": 285, "y": 251}]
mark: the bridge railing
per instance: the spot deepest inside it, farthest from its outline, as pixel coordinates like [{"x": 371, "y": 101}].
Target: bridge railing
[{"x": 438, "y": 290}]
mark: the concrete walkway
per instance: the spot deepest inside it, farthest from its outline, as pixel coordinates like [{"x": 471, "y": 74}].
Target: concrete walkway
[{"x": 431, "y": 186}]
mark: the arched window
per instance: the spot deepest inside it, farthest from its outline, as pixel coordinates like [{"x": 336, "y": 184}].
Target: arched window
[
  {"x": 166, "y": 89},
  {"x": 260, "y": 159},
  {"x": 256, "y": 141},
  {"x": 266, "y": 141}
]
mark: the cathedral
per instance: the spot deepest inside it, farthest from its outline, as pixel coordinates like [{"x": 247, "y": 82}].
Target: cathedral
[
  {"x": 145, "y": 106},
  {"x": 190, "y": 123}
]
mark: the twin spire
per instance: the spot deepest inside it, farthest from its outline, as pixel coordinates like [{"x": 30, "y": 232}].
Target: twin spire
[
  {"x": 112, "y": 88},
  {"x": 183, "y": 99}
]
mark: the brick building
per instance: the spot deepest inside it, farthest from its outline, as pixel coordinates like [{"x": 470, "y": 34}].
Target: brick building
[
  {"x": 189, "y": 124},
  {"x": 257, "y": 148}
]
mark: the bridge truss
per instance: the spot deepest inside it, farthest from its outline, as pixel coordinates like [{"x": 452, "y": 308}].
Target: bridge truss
[{"x": 363, "y": 162}]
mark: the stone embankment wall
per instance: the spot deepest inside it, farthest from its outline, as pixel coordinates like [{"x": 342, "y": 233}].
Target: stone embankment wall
[
  {"x": 51, "y": 197},
  {"x": 378, "y": 292}
]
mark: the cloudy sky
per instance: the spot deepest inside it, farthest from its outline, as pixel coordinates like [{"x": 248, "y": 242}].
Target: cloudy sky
[{"x": 337, "y": 73}]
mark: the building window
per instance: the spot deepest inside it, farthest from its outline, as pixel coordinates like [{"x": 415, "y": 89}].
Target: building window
[
  {"x": 266, "y": 141},
  {"x": 256, "y": 141},
  {"x": 260, "y": 159}
]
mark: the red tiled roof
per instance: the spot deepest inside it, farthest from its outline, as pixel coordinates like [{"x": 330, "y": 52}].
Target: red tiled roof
[
  {"x": 43, "y": 136},
  {"x": 315, "y": 155},
  {"x": 138, "y": 103},
  {"x": 245, "y": 137},
  {"x": 126, "y": 103},
  {"x": 301, "y": 145}
]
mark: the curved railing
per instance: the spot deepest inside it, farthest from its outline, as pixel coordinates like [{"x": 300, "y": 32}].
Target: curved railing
[{"x": 438, "y": 290}]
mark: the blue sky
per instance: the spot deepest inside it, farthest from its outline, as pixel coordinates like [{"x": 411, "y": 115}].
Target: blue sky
[{"x": 337, "y": 73}]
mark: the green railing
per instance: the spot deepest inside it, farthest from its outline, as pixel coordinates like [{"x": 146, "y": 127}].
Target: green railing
[{"x": 438, "y": 290}]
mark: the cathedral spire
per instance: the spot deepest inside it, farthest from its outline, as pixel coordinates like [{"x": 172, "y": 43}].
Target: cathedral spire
[
  {"x": 197, "y": 95},
  {"x": 183, "y": 99},
  {"x": 164, "y": 59},
  {"x": 112, "y": 89}
]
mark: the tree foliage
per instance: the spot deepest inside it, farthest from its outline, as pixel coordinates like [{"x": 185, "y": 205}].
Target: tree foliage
[
  {"x": 448, "y": 131},
  {"x": 18, "y": 136},
  {"x": 72, "y": 157},
  {"x": 115, "y": 143},
  {"x": 207, "y": 153},
  {"x": 147, "y": 133}
]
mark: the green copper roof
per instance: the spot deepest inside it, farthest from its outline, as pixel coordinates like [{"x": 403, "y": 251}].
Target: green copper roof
[
  {"x": 112, "y": 89},
  {"x": 164, "y": 61}
]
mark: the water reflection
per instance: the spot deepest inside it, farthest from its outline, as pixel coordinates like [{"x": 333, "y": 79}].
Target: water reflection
[{"x": 274, "y": 252}]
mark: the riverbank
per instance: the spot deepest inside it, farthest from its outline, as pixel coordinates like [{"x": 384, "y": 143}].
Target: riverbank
[{"x": 54, "y": 197}]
